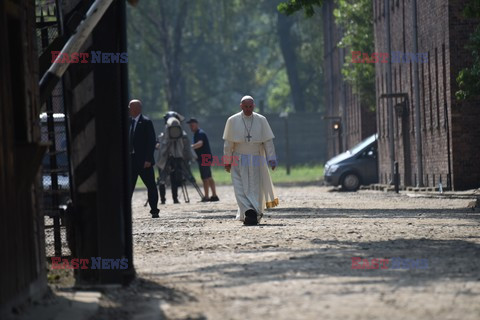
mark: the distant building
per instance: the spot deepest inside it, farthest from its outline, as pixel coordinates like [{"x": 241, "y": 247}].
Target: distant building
[
  {"x": 342, "y": 104},
  {"x": 450, "y": 130}
]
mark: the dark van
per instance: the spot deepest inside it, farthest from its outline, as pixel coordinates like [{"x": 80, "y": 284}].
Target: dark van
[{"x": 354, "y": 167}]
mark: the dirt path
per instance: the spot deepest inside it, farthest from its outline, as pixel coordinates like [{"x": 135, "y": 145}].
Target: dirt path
[{"x": 196, "y": 262}]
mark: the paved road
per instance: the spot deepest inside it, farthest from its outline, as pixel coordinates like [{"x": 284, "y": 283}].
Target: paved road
[{"x": 196, "y": 262}]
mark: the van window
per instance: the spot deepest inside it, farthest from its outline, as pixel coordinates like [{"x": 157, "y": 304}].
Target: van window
[{"x": 362, "y": 145}]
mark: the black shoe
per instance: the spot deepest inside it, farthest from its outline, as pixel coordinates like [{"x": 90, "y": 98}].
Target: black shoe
[
  {"x": 155, "y": 213},
  {"x": 250, "y": 218},
  {"x": 214, "y": 198},
  {"x": 205, "y": 199},
  {"x": 163, "y": 201},
  {"x": 176, "y": 201}
]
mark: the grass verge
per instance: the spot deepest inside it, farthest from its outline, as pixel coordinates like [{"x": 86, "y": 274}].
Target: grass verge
[{"x": 298, "y": 174}]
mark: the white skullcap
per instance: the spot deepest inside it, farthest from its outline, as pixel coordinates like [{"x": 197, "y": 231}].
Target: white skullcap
[{"x": 247, "y": 98}]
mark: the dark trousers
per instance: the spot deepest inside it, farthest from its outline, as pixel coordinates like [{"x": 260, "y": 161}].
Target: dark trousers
[
  {"x": 174, "y": 185},
  {"x": 148, "y": 177}
]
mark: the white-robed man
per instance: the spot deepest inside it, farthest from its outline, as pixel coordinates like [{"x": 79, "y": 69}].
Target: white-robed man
[{"x": 248, "y": 151}]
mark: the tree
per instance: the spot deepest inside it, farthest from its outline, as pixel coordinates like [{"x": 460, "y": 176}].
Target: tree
[
  {"x": 228, "y": 48},
  {"x": 287, "y": 46},
  {"x": 169, "y": 26},
  {"x": 292, "y": 6},
  {"x": 468, "y": 79},
  {"x": 355, "y": 18}
]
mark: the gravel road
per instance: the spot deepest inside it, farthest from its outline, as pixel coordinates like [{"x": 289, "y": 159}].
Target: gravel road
[{"x": 197, "y": 262}]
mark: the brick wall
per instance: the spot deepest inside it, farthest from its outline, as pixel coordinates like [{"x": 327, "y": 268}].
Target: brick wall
[{"x": 442, "y": 34}]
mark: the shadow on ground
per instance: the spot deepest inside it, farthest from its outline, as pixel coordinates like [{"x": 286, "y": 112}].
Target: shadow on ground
[
  {"x": 142, "y": 299},
  {"x": 332, "y": 213},
  {"x": 456, "y": 259},
  {"x": 313, "y": 212}
]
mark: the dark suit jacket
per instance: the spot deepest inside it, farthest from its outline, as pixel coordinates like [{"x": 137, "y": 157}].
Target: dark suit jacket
[{"x": 144, "y": 141}]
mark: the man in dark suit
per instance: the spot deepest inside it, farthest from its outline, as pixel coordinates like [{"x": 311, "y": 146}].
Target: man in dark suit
[{"x": 142, "y": 145}]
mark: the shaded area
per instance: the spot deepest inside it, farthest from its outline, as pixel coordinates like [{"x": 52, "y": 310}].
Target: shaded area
[
  {"x": 142, "y": 299},
  {"x": 448, "y": 259},
  {"x": 332, "y": 213},
  {"x": 314, "y": 212}
]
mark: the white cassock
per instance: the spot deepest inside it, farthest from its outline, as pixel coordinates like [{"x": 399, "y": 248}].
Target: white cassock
[{"x": 248, "y": 147}]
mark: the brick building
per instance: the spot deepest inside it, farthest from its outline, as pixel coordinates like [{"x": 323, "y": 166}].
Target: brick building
[
  {"x": 450, "y": 134},
  {"x": 357, "y": 121}
]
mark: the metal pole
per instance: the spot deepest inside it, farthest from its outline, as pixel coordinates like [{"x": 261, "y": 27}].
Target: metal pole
[
  {"x": 329, "y": 67},
  {"x": 287, "y": 146},
  {"x": 334, "y": 145},
  {"x": 389, "y": 89},
  {"x": 396, "y": 177},
  {"x": 343, "y": 105},
  {"x": 56, "y": 70},
  {"x": 340, "y": 142},
  {"x": 416, "y": 89}
]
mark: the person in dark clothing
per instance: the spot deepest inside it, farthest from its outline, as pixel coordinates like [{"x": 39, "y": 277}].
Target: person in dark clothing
[
  {"x": 142, "y": 146},
  {"x": 202, "y": 147}
]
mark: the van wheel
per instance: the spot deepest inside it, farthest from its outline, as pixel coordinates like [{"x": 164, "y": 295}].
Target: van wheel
[{"x": 351, "y": 182}]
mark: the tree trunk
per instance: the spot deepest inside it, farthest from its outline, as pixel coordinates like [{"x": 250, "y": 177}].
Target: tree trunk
[
  {"x": 171, "y": 34},
  {"x": 287, "y": 47}
]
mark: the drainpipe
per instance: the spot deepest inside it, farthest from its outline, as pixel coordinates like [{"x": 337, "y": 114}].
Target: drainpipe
[
  {"x": 329, "y": 57},
  {"x": 343, "y": 106},
  {"x": 418, "y": 129},
  {"x": 389, "y": 91}
]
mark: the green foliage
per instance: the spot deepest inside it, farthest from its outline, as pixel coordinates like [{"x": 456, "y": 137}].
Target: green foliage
[
  {"x": 355, "y": 18},
  {"x": 468, "y": 79},
  {"x": 298, "y": 174},
  {"x": 229, "y": 48},
  {"x": 472, "y": 9},
  {"x": 279, "y": 92},
  {"x": 292, "y": 6}
]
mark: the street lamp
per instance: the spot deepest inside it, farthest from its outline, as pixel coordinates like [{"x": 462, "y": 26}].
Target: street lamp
[{"x": 337, "y": 128}]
